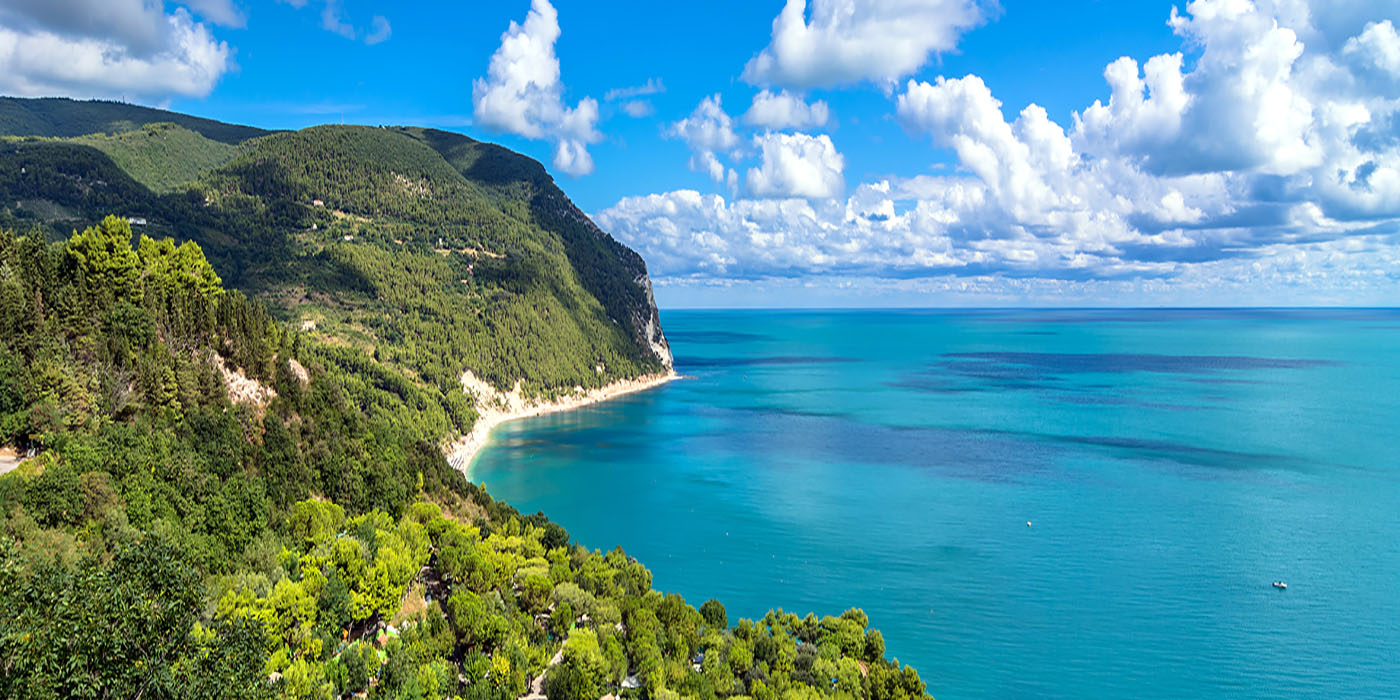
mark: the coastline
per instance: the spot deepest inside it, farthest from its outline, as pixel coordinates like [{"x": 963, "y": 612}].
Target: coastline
[{"x": 495, "y": 407}]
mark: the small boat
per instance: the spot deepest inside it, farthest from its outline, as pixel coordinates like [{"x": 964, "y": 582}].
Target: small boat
[{"x": 1280, "y": 585}]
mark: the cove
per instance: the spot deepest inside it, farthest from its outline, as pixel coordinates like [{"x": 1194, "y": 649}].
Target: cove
[{"x": 1172, "y": 464}]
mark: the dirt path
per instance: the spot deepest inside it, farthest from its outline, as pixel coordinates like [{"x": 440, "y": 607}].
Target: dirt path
[{"x": 537, "y": 685}]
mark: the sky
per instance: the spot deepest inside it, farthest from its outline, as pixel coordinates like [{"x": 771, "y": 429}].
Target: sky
[{"x": 844, "y": 152}]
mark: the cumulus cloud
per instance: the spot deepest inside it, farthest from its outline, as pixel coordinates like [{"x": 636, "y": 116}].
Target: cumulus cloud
[
  {"x": 851, "y": 41},
  {"x": 796, "y": 165},
  {"x": 1260, "y": 162},
  {"x": 784, "y": 110},
  {"x": 221, "y": 12},
  {"x": 1377, "y": 46},
  {"x": 522, "y": 93},
  {"x": 709, "y": 131},
  {"x": 107, "y": 48}
]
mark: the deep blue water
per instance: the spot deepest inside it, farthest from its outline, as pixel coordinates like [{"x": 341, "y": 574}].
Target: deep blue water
[{"x": 1173, "y": 464}]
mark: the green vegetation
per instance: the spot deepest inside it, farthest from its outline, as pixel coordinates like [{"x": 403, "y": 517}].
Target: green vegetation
[
  {"x": 239, "y": 488},
  {"x": 428, "y": 252},
  {"x": 164, "y": 157},
  {"x": 307, "y": 540},
  {"x": 62, "y": 117}
]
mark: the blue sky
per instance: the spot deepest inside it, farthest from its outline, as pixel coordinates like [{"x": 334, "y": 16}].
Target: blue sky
[{"x": 845, "y": 152}]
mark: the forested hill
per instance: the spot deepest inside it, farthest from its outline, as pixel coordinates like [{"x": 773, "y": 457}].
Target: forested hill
[
  {"x": 220, "y": 508},
  {"x": 426, "y": 251},
  {"x": 214, "y": 493},
  {"x": 62, "y": 117}
]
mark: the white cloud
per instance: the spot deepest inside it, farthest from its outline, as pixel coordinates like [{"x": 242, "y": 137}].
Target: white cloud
[
  {"x": 851, "y": 41},
  {"x": 652, "y": 86},
  {"x": 708, "y": 131},
  {"x": 101, "y": 49},
  {"x": 139, "y": 27},
  {"x": 796, "y": 165},
  {"x": 1262, "y": 165},
  {"x": 221, "y": 12},
  {"x": 1378, "y": 45},
  {"x": 638, "y": 108},
  {"x": 333, "y": 20},
  {"x": 522, "y": 93},
  {"x": 784, "y": 110},
  {"x": 379, "y": 31}
]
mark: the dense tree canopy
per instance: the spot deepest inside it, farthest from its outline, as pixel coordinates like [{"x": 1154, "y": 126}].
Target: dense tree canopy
[
  {"x": 229, "y": 501},
  {"x": 174, "y": 536}
]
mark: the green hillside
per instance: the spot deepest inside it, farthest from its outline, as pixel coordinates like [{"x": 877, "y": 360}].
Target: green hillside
[
  {"x": 222, "y": 413},
  {"x": 164, "y": 157},
  {"x": 223, "y": 508},
  {"x": 61, "y": 117},
  {"x": 427, "y": 251}
]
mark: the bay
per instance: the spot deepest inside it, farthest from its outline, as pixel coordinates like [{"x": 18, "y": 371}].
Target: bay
[{"x": 1028, "y": 503}]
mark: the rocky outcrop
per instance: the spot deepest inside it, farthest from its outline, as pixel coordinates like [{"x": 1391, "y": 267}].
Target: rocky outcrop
[
  {"x": 649, "y": 323},
  {"x": 596, "y": 256}
]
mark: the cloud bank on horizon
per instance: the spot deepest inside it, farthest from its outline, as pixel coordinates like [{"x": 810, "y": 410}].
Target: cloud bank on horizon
[
  {"x": 1267, "y": 164},
  {"x": 1256, "y": 160}
]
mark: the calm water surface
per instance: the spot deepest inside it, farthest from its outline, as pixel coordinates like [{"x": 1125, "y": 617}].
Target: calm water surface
[{"x": 1173, "y": 464}]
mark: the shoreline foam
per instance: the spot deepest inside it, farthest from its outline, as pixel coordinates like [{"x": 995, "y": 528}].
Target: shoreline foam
[{"x": 495, "y": 407}]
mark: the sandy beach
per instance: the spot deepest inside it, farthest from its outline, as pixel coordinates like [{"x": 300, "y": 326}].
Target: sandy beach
[{"x": 495, "y": 407}]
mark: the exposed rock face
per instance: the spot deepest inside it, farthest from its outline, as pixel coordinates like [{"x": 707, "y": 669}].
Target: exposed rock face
[
  {"x": 592, "y": 250},
  {"x": 650, "y": 325},
  {"x": 242, "y": 388}
]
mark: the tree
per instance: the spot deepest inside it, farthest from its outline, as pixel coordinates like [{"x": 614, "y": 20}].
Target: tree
[
  {"x": 561, "y": 619},
  {"x": 475, "y": 626},
  {"x": 168, "y": 268},
  {"x": 127, "y": 628},
  {"x": 584, "y": 670},
  {"x": 14, "y": 399},
  {"x": 534, "y": 592},
  {"x": 713, "y": 612},
  {"x": 104, "y": 256},
  {"x": 874, "y": 646},
  {"x": 316, "y": 521}
]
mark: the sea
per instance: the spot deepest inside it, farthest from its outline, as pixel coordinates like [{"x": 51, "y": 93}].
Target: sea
[{"x": 1027, "y": 503}]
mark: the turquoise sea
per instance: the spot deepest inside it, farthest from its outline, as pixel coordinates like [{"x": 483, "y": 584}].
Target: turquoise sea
[{"x": 1172, "y": 464}]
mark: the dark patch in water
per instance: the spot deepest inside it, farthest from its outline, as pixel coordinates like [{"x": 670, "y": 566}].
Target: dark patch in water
[
  {"x": 970, "y": 372},
  {"x": 1223, "y": 380},
  {"x": 713, "y": 337},
  {"x": 933, "y": 385},
  {"x": 998, "y": 364},
  {"x": 805, "y": 413},
  {"x": 1185, "y": 453},
  {"x": 1090, "y": 395},
  {"x": 1108, "y": 400},
  {"x": 954, "y": 453},
  {"x": 989, "y": 455},
  {"x": 706, "y": 362}
]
